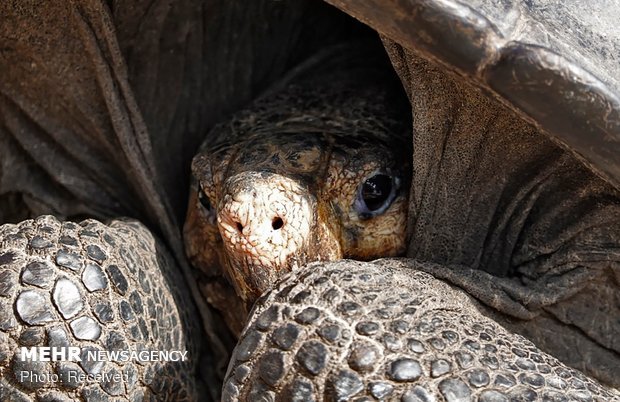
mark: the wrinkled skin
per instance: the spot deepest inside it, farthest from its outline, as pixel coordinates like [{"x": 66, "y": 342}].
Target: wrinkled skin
[
  {"x": 279, "y": 185},
  {"x": 526, "y": 228}
]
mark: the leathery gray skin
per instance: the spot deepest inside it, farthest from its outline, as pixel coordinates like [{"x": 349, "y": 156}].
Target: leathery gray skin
[
  {"x": 101, "y": 288},
  {"x": 356, "y": 331}
]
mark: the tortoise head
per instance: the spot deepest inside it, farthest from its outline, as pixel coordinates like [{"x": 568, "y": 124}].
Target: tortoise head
[{"x": 298, "y": 178}]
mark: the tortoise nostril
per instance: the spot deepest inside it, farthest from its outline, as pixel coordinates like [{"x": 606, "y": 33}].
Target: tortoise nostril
[
  {"x": 277, "y": 223},
  {"x": 239, "y": 227}
]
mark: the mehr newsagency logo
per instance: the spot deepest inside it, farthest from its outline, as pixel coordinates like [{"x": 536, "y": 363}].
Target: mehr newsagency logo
[{"x": 76, "y": 354}]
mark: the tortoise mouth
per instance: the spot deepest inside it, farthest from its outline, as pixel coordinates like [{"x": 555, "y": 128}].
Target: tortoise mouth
[
  {"x": 251, "y": 278},
  {"x": 251, "y": 275}
]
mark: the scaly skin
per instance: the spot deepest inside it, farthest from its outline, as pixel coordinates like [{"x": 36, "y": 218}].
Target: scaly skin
[
  {"x": 387, "y": 331},
  {"x": 98, "y": 287}
]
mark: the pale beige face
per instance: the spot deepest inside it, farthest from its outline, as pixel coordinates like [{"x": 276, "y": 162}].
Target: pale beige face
[{"x": 272, "y": 202}]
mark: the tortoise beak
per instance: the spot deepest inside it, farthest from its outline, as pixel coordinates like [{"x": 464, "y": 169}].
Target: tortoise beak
[
  {"x": 265, "y": 221},
  {"x": 269, "y": 225}
]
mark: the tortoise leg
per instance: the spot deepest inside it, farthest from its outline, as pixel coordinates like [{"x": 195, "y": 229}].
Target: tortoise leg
[
  {"x": 94, "y": 287},
  {"x": 385, "y": 330}
]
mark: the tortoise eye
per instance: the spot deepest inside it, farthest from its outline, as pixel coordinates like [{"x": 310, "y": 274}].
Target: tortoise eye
[
  {"x": 204, "y": 200},
  {"x": 207, "y": 208},
  {"x": 376, "y": 194}
]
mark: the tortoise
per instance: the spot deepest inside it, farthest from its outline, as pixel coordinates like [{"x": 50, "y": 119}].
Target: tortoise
[{"x": 481, "y": 82}]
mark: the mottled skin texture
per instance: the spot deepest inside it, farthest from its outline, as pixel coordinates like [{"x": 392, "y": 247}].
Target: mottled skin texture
[
  {"x": 102, "y": 288},
  {"x": 385, "y": 330},
  {"x": 282, "y": 179}
]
